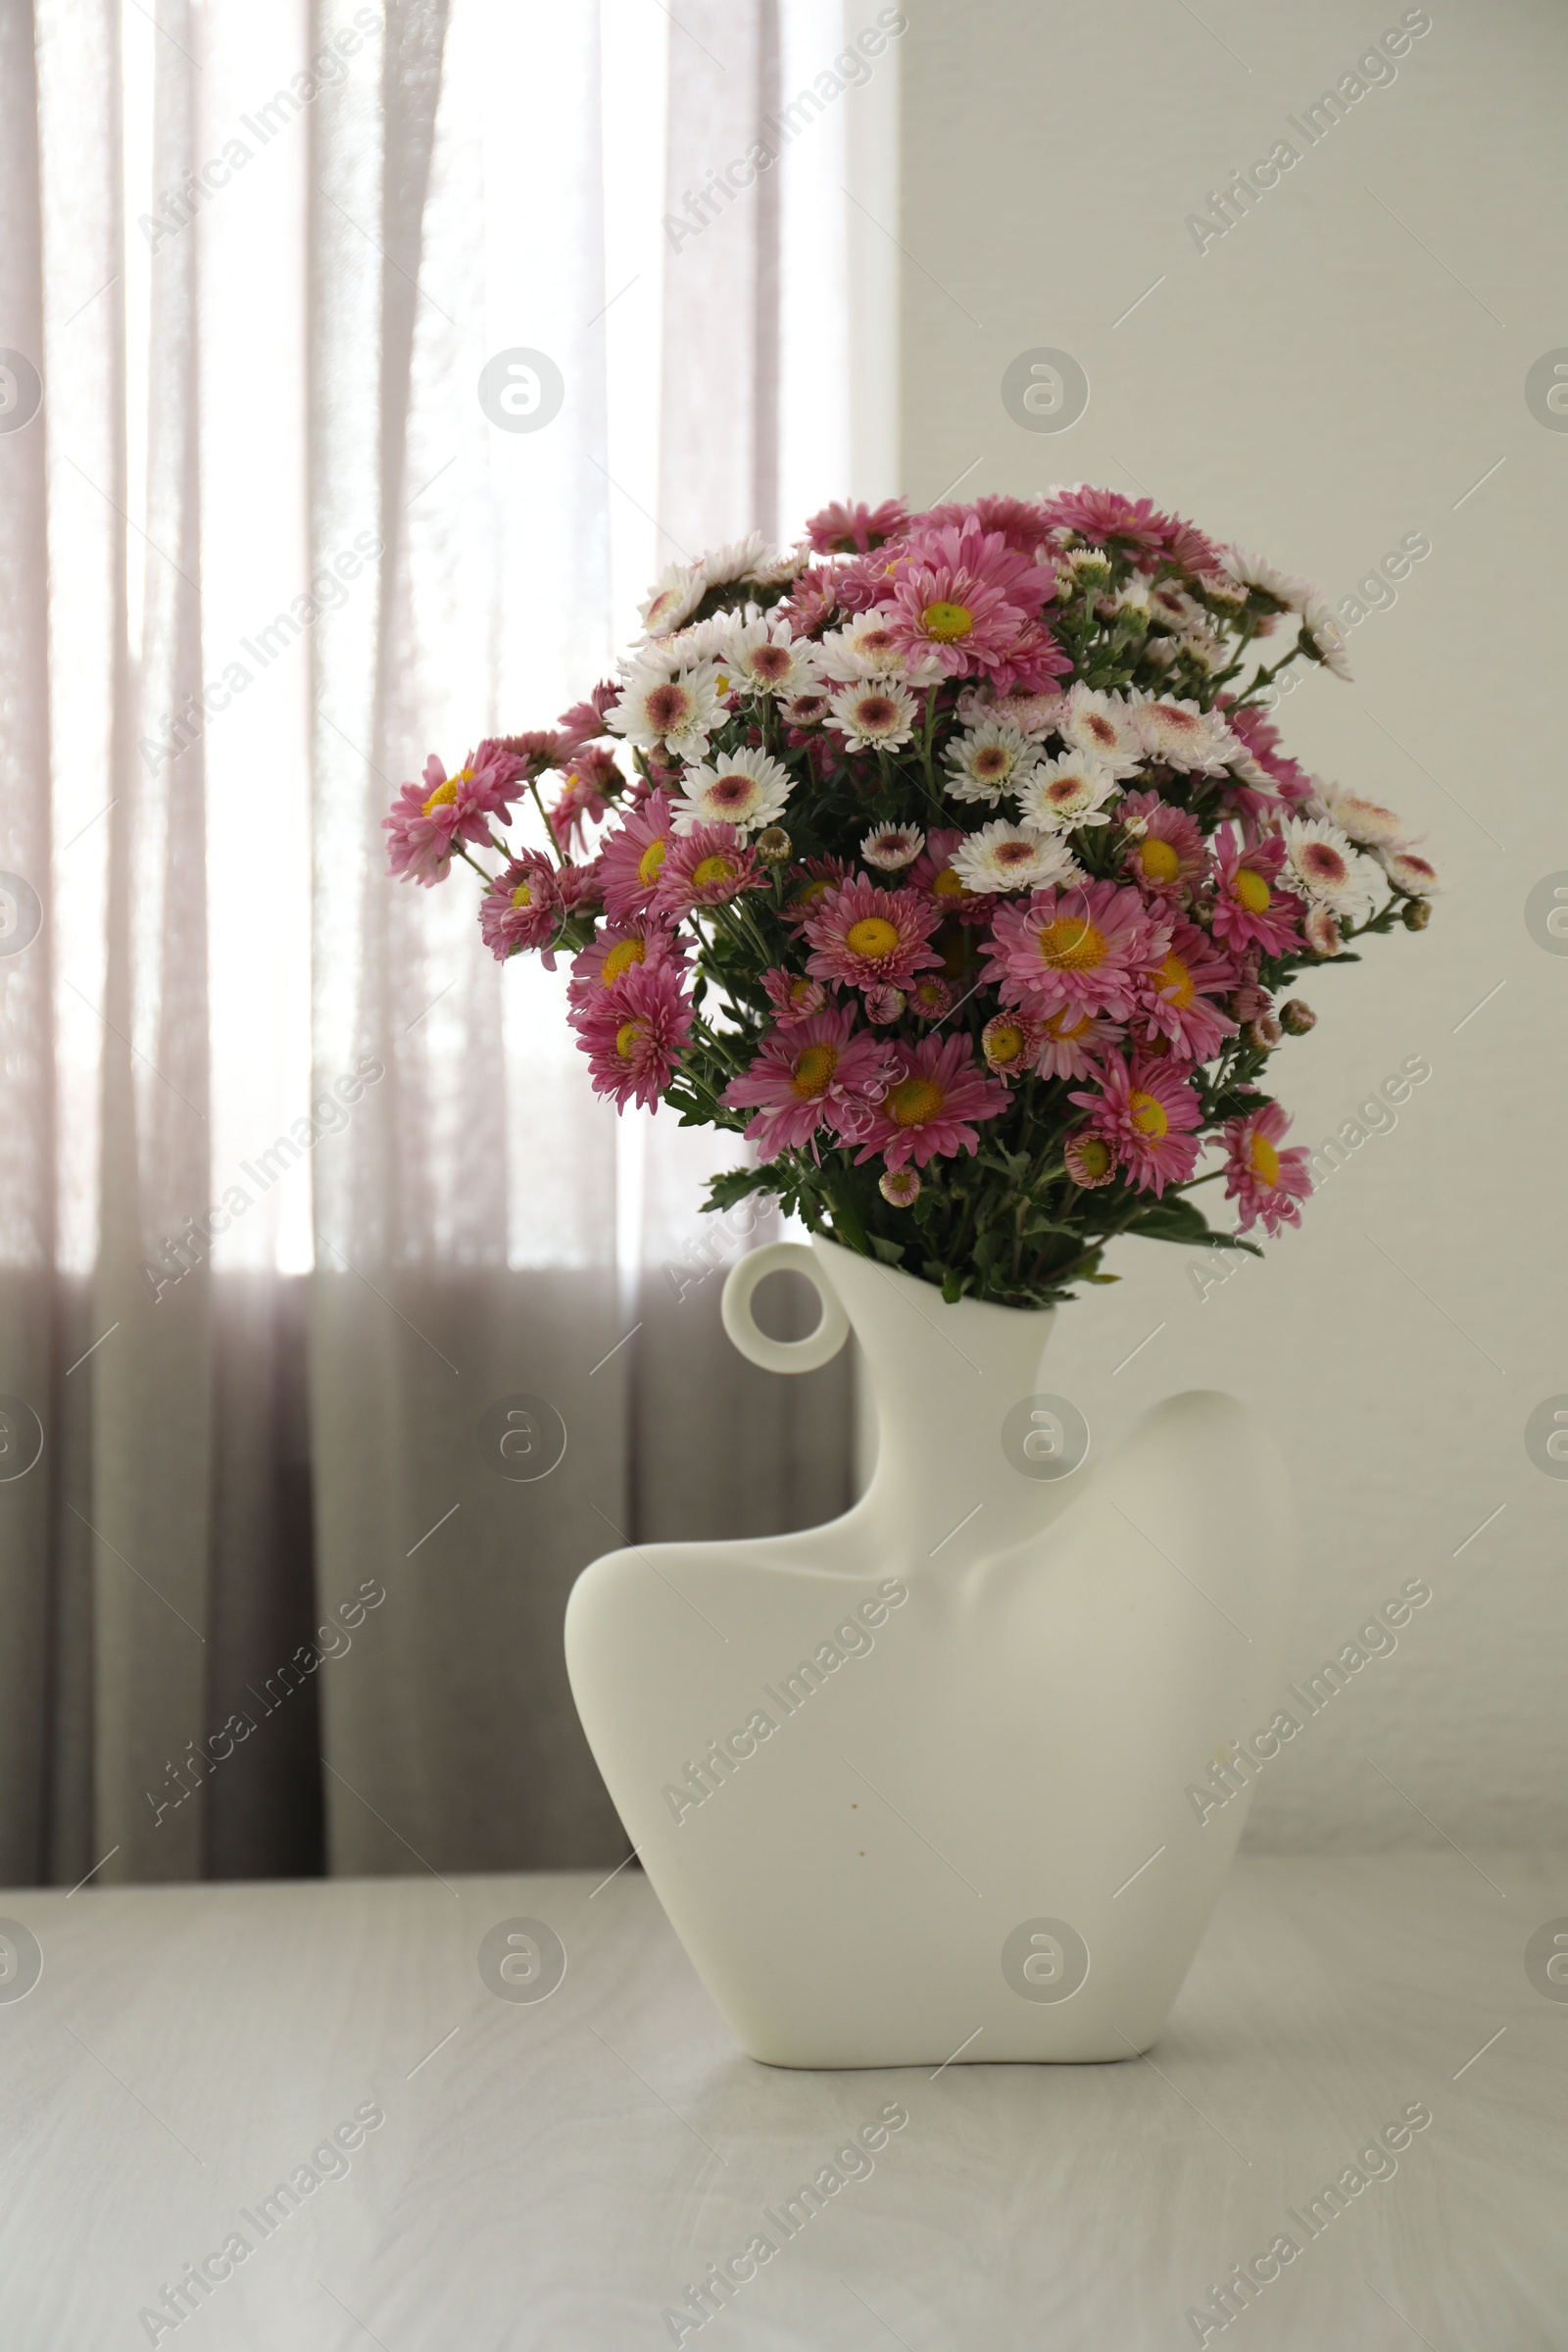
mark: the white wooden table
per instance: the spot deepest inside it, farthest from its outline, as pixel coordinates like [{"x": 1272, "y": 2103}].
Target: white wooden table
[{"x": 557, "y": 2172}]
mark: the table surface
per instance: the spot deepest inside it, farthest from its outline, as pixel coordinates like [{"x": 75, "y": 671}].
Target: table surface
[{"x": 558, "y": 2172}]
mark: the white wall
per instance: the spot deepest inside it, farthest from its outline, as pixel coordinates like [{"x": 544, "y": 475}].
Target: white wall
[{"x": 1318, "y": 382}]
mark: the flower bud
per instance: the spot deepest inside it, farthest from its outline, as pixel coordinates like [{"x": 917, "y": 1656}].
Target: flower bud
[
  {"x": 1297, "y": 1018},
  {"x": 1264, "y": 1033},
  {"x": 773, "y": 844},
  {"x": 1416, "y": 913}
]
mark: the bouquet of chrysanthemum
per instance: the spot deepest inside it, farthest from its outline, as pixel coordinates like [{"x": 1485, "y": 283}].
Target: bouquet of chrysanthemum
[{"x": 958, "y": 867}]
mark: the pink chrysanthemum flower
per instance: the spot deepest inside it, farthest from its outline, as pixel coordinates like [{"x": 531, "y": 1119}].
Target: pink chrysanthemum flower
[
  {"x": 899, "y": 1187},
  {"x": 1092, "y": 1159},
  {"x": 935, "y": 875},
  {"x": 970, "y": 601},
  {"x": 928, "y": 1112},
  {"x": 619, "y": 949},
  {"x": 584, "y": 722},
  {"x": 1084, "y": 948},
  {"x": 1176, "y": 1001},
  {"x": 1284, "y": 778},
  {"x": 794, "y": 996},
  {"x": 929, "y": 997},
  {"x": 884, "y": 1005},
  {"x": 705, "y": 867},
  {"x": 634, "y": 1036},
  {"x": 869, "y": 937},
  {"x": 1010, "y": 1041},
  {"x": 1022, "y": 522},
  {"x": 521, "y": 908},
  {"x": 529, "y": 754},
  {"x": 854, "y": 529},
  {"x": 1103, "y": 514},
  {"x": 1149, "y": 1112},
  {"x": 811, "y": 883},
  {"x": 634, "y": 857},
  {"x": 1267, "y": 1182},
  {"x": 1073, "y": 1045},
  {"x": 811, "y": 603},
  {"x": 591, "y": 776},
  {"x": 1166, "y": 858},
  {"x": 1249, "y": 910},
  {"x": 816, "y": 1073},
  {"x": 429, "y": 819}
]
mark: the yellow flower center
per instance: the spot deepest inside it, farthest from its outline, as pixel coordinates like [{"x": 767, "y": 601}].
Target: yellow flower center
[
  {"x": 872, "y": 936},
  {"x": 445, "y": 794},
  {"x": 650, "y": 860},
  {"x": 1093, "y": 1155},
  {"x": 812, "y": 893},
  {"x": 914, "y": 1100},
  {"x": 947, "y": 622},
  {"x": 1175, "y": 982},
  {"x": 1064, "y": 1030},
  {"x": 1007, "y": 1044},
  {"x": 1249, "y": 890},
  {"x": 721, "y": 684},
  {"x": 1072, "y": 944},
  {"x": 1264, "y": 1159},
  {"x": 813, "y": 1071},
  {"x": 1158, "y": 859},
  {"x": 1148, "y": 1114},
  {"x": 711, "y": 871},
  {"x": 946, "y": 885},
  {"x": 522, "y": 896},
  {"x": 627, "y": 1038},
  {"x": 621, "y": 958}
]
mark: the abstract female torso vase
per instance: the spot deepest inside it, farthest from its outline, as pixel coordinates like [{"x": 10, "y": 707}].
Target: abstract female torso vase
[{"x": 914, "y": 1785}]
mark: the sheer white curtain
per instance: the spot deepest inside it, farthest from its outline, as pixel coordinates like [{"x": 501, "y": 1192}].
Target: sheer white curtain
[{"x": 265, "y": 549}]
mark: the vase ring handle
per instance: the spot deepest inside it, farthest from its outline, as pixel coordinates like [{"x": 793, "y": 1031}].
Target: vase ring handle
[{"x": 781, "y": 1355}]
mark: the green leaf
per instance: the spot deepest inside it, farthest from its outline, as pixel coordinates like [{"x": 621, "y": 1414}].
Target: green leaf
[{"x": 890, "y": 1252}]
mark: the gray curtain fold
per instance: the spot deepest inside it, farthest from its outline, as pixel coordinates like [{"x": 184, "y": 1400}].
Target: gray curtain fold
[{"x": 284, "y": 1591}]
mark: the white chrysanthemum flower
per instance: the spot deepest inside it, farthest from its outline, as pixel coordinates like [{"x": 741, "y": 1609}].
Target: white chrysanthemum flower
[
  {"x": 1066, "y": 792},
  {"x": 1368, "y": 823},
  {"x": 709, "y": 640},
  {"x": 673, "y": 598},
  {"x": 1192, "y": 741},
  {"x": 1203, "y": 649},
  {"x": 1170, "y": 603},
  {"x": 876, "y": 714},
  {"x": 678, "y": 710},
  {"x": 1322, "y": 865},
  {"x": 989, "y": 760},
  {"x": 1004, "y": 857},
  {"x": 1133, "y": 596},
  {"x": 744, "y": 789},
  {"x": 765, "y": 656},
  {"x": 742, "y": 560},
  {"x": 1105, "y": 724},
  {"x": 1250, "y": 570},
  {"x": 1320, "y": 623},
  {"x": 780, "y": 569},
  {"x": 891, "y": 848},
  {"x": 865, "y": 648},
  {"x": 1415, "y": 875},
  {"x": 1033, "y": 715}
]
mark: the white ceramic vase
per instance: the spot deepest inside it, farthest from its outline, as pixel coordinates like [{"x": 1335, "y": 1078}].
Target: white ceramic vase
[{"x": 914, "y": 1785}]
